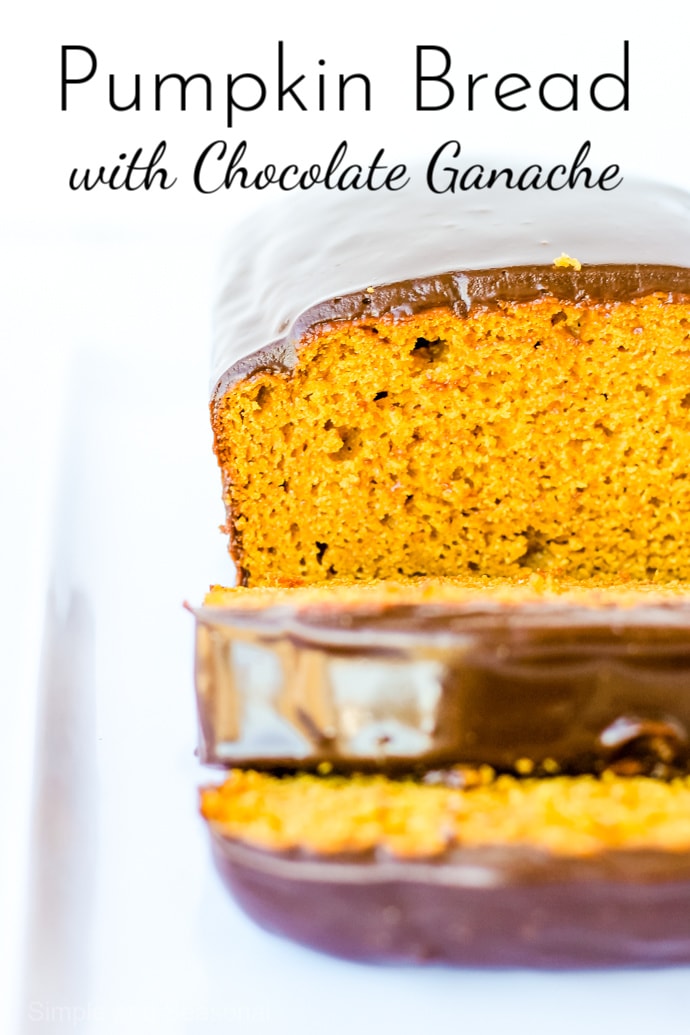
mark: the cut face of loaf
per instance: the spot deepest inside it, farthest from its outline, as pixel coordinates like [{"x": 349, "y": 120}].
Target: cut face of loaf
[{"x": 494, "y": 422}]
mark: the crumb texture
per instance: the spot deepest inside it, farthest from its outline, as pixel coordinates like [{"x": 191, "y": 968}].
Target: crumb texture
[
  {"x": 564, "y": 816},
  {"x": 525, "y": 437}
]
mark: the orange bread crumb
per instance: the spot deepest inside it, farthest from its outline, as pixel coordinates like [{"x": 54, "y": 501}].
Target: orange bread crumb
[
  {"x": 524, "y": 436},
  {"x": 573, "y": 816}
]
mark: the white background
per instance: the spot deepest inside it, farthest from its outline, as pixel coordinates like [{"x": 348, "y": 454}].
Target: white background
[{"x": 109, "y": 493}]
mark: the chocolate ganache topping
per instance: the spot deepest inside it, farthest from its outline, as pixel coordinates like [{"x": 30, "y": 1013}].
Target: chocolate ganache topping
[
  {"x": 409, "y": 688},
  {"x": 314, "y": 260},
  {"x": 496, "y": 907}
]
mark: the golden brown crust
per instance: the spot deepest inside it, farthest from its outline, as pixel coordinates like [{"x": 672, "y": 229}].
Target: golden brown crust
[{"x": 535, "y": 588}]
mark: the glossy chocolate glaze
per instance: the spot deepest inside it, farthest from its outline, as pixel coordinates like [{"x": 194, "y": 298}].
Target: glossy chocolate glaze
[
  {"x": 584, "y": 687},
  {"x": 309, "y": 262},
  {"x": 462, "y": 291},
  {"x": 479, "y": 907}
]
